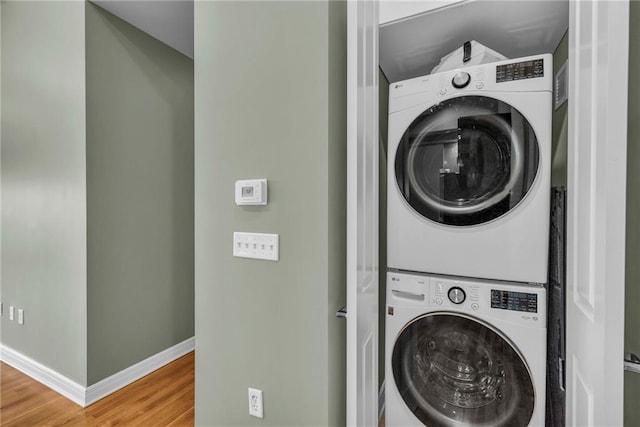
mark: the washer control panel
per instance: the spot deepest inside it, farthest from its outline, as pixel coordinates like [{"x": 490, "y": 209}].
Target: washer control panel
[
  {"x": 508, "y": 301},
  {"x": 516, "y": 301},
  {"x": 455, "y": 293}
]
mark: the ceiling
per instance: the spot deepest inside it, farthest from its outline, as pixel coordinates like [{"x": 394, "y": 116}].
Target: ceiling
[
  {"x": 170, "y": 21},
  {"x": 411, "y": 46}
]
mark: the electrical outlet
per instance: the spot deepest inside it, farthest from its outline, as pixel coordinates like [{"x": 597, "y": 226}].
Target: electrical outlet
[
  {"x": 255, "y": 403},
  {"x": 21, "y": 316},
  {"x": 12, "y": 312}
]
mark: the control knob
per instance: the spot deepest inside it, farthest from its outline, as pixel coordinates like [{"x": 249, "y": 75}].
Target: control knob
[
  {"x": 456, "y": 295},
  {"x": 461, "y": 79}
]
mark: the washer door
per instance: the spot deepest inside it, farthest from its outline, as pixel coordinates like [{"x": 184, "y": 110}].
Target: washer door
[
  {"x": 454, "y": 369},
  {"x": 467, "y": 160}
]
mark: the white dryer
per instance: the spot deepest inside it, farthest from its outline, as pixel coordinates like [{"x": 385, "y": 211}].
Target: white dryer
[
  {"x": 469, "y": 171},
  {"x": 464, "y": 352}
]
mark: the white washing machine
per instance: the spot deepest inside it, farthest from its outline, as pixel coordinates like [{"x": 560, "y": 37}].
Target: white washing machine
[
  {"x": 469, "y": 171},
  {"x": 464, "y": 352}
]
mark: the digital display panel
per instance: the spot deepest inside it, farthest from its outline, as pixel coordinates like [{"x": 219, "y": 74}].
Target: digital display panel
[
  {"x": 520, "y": 70},
  {"x": 516, "y": 301}
]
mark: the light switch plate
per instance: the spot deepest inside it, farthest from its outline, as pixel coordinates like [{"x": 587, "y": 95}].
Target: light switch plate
[{"x": 256, "y": 245}]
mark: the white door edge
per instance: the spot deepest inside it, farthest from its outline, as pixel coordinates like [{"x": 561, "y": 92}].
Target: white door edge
[{"x": 596, "y": 193}]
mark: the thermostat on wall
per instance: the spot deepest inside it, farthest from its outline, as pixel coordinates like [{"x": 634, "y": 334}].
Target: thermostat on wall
[{"x": 251, "y": 192}]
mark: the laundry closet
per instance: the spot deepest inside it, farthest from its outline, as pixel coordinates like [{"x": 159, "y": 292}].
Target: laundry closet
[{"x": 449, "y": 259}]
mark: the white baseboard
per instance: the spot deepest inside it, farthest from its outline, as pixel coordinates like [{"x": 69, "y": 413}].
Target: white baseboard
[
  {"x": 381, "y": 400},
  {"x": 85, "y": 396},
  {"x": 133, "y": 373},
  {"x": 47, "y": 376}
]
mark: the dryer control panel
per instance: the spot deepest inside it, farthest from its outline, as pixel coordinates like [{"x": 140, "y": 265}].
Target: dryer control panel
[{"x": 527, "y": 74}]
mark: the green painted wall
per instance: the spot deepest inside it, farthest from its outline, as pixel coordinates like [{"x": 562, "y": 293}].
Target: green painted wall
[
  {"x": 0, "y": 163},
  {"x": 632, "y": 266},
  {"x": 97, "y": 189},
  {"x": 271, "y": 104},
  {"x": 139, "y": 195},
  {"x": 43, "y": 182}
]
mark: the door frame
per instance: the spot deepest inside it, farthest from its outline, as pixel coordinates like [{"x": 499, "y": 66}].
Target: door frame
[{"x": 599, "y": 226}]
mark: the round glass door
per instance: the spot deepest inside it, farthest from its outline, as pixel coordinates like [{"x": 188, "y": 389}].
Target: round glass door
[
  {"x": 453, "y": 369},
  {"x": 467, "y": 160}
]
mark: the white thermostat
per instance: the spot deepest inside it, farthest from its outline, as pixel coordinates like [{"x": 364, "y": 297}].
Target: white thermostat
[{"x": 251, "y": 192}]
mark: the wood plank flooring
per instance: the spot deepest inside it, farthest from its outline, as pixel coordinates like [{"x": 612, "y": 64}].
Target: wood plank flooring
[{"x": 162, "y": 398}]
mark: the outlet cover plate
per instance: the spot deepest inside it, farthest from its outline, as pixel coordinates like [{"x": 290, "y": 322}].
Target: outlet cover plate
[
  {"x": 255, "y": 403},
  {"x": 256, "y": 245}
]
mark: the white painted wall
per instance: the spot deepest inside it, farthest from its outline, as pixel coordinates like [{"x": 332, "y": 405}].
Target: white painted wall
[{"x": 393, "y": 10}]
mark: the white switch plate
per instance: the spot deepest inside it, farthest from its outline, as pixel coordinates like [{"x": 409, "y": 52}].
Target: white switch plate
[
  {"x": 11, "y": 312},
  {"x": 21, "y": 316},
  {"x": 256, "y": 245}
]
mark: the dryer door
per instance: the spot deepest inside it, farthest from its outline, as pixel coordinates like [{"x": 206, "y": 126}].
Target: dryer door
[
  {"x": 455, "y": 369},
  {"x": 467, "y": 160}
]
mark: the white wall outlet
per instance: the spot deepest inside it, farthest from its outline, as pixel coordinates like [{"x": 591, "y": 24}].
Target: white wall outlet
[
  {"x": 21, "y": 316},
  {"x": 255, "y": 403},
  {"x": 12, "y": 312},
  {"x": 256, "y": 245}
]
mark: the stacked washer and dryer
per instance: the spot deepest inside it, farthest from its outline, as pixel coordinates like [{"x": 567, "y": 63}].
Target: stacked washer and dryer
[{"x": 468, "y": 237}]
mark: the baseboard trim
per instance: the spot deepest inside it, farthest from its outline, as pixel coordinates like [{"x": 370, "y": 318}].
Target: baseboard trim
[
  {"x": 85, "y": 396},
  {"x": 44, "y": 375},
  {"x": 381, "y": 400},
  {"x": 133, "y": 373}
]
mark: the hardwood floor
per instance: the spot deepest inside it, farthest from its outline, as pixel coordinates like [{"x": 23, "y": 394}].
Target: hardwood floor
[{"x": 162, "y": 398}]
